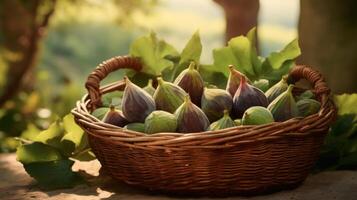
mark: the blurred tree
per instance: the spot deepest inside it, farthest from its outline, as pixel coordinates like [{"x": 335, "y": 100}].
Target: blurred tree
[
  {"x": 328, "y": 39},
  {"x": 241, "y": 16}
]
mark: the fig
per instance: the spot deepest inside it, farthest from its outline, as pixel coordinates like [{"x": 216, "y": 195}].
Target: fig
[
  {"x": 190, "y": 118},
  {"x": 276, "y": 89},
  {"x": 247, "y": 96},
  {"x": 308, "y": 107},
  {"x": 100, "y": 112},
  {"x": 308, "y": 94},
  {"x": 262, "y": 84},
  {"x": 214, "y": 102},
  {"x": 225, "y": 122},
  {"x": 284, "y": 106},
  {"x": 191, "y": 81},
  {"x": 234, "y": 80},
  {"x": 160, "y": 121},
  {"x": 238, "y": 122},
  {"x": 168, "y": 96},
  {"x": 149, "y": 88},
  {"x": 257, "y": 115},
  {"x": 115, "y": 117},
  {"x": 137, "y": 104},
  {"x": 138, "y": 127}
]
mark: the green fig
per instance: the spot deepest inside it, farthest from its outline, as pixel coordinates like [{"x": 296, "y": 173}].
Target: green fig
[
  {"x": 238, "y": 122},
  {"x": 308, "y": 94},
  {"x": 277, "y": 89},
  {"x": 160, "y": 121},
  {"x": 168, "y": 96},
  {"x": 137, "y": 104},
  {"x": 149, "y": 88},
  {"x": 308, "y": 107},
  {"x": 284, "y": 106},
  {"x": 214, "y": 102},
  {"x": 191, "y": 81},
  {"x": 246, "y": 97},
  {"x": 234, "y": 80},
  {"x": 262, "y": 84},
  {"x": 115, "y": 117},
  {"x": 257, "y": 115},
  {"x": 138, "y": 127},
  {"x": 190, "y": 118},
  {"x": 225, "y": 122}
]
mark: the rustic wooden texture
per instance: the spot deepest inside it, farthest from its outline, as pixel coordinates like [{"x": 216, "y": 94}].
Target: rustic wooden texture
[
  {"x": 242, "y": 159},
  {"x": 15, "y": 184}
]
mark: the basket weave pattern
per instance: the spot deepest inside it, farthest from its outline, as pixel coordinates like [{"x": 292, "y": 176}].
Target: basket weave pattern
[{"x": 243, "y": 159}]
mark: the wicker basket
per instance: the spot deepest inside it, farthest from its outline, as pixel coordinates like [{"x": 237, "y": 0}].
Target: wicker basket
[{"x": 240, "y": 160}]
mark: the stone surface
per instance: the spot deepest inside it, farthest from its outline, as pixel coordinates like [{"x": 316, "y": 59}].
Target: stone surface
[{"x": 16, "y": 184}]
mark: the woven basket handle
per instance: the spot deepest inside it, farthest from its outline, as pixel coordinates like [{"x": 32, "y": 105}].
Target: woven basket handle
[
  {"x": 102, "y": 70},
  {"x": 314, "y": 77}
]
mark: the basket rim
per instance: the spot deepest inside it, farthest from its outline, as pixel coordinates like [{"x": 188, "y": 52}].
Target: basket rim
[{"x": 224, "y": 138}]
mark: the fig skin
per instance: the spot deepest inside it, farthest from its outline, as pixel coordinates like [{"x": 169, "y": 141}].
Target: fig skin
[
  {"x": 284, "y": 106},
  {"x": 225, "y": 122},
  {"x": 257, "y": 115},
  {"x": 308, "y": 107},
  {"x": 247, "y": 96},
  {"x": 277, "y": 89},
  {"x": 137, "y": 104},
  {"x": 234, "y": 80},
  {"x": 138, "y": 127},
  {"x": 214, "y": 102},
  {"x": 190, "y": 118},
  {"x": 160, "y": 121},
  {"x": 115, "y": 117},
  {"x": 191, "y": 81},
  {"x": 168, "y": 96},
  {"x": 149, "y": 88}
]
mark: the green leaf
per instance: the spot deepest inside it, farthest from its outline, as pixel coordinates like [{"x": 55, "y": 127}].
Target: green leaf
[
  {"x": 52, "y": 136},
  {"x": 31, "y": 132},
  {"x": 153, "y": 53},
  {"x": 70, "y": 126},
  {"x": 37, "y": 152},
  {"x": 192, "y": 51},
  {"x": 346, "y": 103},
  {"x": 74, "y": 139},
  {"x": 290, "y": 52},
  {"x": 86, "y": 155},
  {"x": 99, "y": 113},
  {"x": 53, "y": 174}
]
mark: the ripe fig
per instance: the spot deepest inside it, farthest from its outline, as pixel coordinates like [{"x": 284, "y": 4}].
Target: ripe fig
[
  {"x": 149, "y": 88},
  {"x": 284, "y": 106},
  {"x": 160, "y": 121},
  {"x": 257, "y": 115},
  {"x": 168, "y": 96},
  {"x": 308, "y": 107},
  {"x": 190, "y": 118},
  {"x": 138, "y": 127},
  {"x": 277, "y": 89},
  {"x": 214, "y": 102},
  {"x": 115, "y": 117},
  {"x": 137, "y": 104},
  {"x": 191, "y": 81},
  {"x": 234, "y": 80},
  {"x": 225, "y": 122},
  {"x": 246, "y": 97},
  {"x": 308, "y": 94}
]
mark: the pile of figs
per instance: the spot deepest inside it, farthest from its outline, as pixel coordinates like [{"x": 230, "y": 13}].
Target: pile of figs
[{"x": 188, "y": 106}]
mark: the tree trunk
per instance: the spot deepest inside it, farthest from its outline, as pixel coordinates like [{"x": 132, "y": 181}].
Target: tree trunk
[
  {"x": 22, "y": 28},
  {"x": 327, "y": 33},
  {"x": 241, "y": 16}
]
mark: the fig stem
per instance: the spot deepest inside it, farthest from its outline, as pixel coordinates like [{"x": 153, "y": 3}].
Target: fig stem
[
  {"x": 191, "y": 66},
  {"x": 187, "y": 98},
  {"x": 290, "y": 88},
  {"x": 150, "y": 82},
  {"x": 112, "y": 107},
  {"x": 160, "y": 80},
  {"x": 225, "y": 113}
]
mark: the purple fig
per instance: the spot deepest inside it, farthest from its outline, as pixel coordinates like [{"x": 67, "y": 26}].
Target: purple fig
[
  {"x": 191, "y": 81},
  {"x": 137, "y": 104},
  {"x": 247, "y": 96},
  {"x": 234, "y": 80},
  {"x": 115, "y": 117},
  {"x": 214, "y": 102},
  {"x": 190, "y": 118},
  {"x": 168, "y": 96}
]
